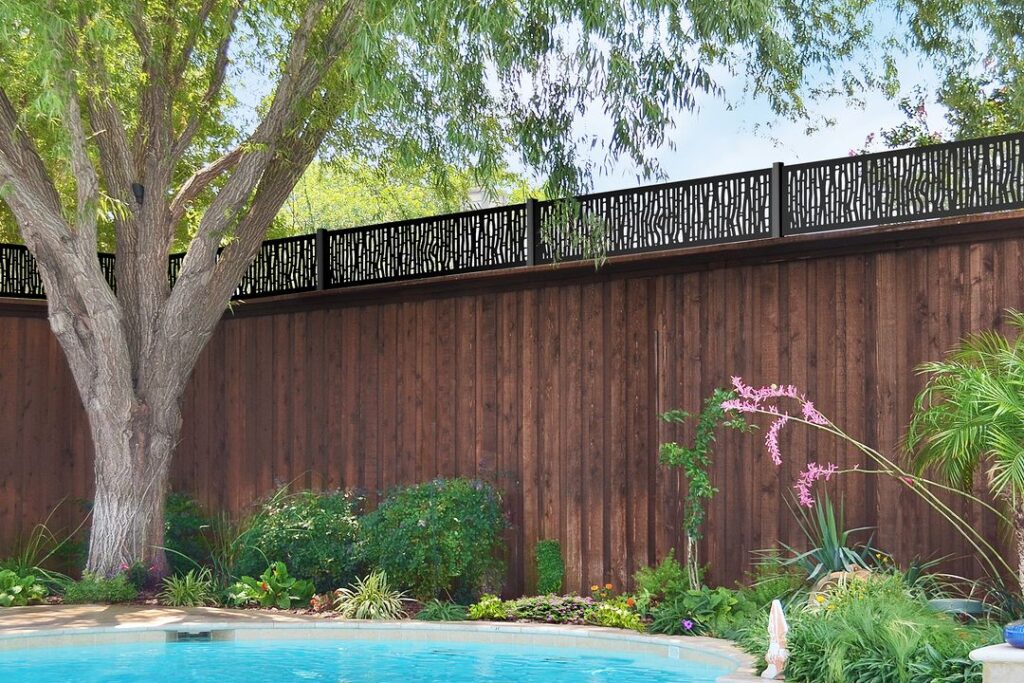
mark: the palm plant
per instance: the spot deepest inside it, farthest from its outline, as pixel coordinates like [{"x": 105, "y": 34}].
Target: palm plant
[{"x": 971, "y": 415}]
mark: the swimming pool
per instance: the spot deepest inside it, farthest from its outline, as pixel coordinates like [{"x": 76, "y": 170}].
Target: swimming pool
[{"x": 342, "y": 661}]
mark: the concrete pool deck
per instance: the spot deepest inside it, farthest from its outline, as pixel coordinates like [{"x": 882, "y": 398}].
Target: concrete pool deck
[{"x": 62, "y": 625}]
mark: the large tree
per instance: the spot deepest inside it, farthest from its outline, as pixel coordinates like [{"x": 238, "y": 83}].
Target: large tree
[{"x": 134, "y": 113}]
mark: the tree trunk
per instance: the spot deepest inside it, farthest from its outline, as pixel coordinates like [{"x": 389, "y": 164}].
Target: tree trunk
[{"x": 133, "y": 454}]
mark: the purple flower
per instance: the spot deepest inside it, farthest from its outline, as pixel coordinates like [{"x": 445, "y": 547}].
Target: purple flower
[{"x": 687, "y": 624}]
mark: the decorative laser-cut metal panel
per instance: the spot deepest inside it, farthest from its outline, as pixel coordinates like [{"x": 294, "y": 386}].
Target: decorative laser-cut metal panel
[
  {"x": 107, "y": 266},
  {"x": 19, "y": 277},
  {"x": 728, "y": 208},
  {"x": 18, "y": 274},
  {"x": 439, "y": 245},
  {"x": 903, "y": 185},
  {"x": 174, "y": 267},
  {"x": 282, "y": 266}
]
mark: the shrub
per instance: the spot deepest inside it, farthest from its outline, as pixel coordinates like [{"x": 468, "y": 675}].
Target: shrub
[
  {"x": 138, "y": 575},
  {"x": 313, "y": 533},
  {"x": 194, "y": 588},
  {"x": 874, "y": 631},
  {"x": 437, "y": 539},
  {"x": 551, "y": 609},
  {"x": 370, "y": 598},
  {"x": 97, "y": 589},
  {"x": 489, "y": 608},
  {"x": 698, "y": 611},
  {"x": 186, "y": 526},
  {"x": 17, "y": 590},
  {"x": 436, "y": 610},
  {"x": 665, "y": 580},
  {"x": 550, "y": 567},
  {"x": 274, "y": 588},
  {"x": 615, "y": 616}
]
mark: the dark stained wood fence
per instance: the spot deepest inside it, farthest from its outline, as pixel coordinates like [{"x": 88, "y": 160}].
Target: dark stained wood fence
[{"x": 548, "y": 382}]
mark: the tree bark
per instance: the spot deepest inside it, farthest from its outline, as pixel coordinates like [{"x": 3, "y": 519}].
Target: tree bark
[{"x": 133, "y": 452}]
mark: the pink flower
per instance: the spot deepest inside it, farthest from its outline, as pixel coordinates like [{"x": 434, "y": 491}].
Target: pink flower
[
  {"x": 812, "y": 415},
  {"x": 771, "y": 440},
  {"x": 807, "y": 479}
]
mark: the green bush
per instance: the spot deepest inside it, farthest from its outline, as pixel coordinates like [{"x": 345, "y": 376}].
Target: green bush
[
  {"x": 877, "y": 631},
  {"x": 551, "y": 609},
  {"x": 194, "y": 588},
  {"x": 96, "y": 589},
  {"x": 17, "y": 590},
  {"x": 698, "y": 611},
  {"x": 550, "y": 567},
  {"x": 438, "y": 539},
  {"x": 437, "y": 610},
  {"x": 186, "y": 526},
  {"x": 489, "y": 608},
  {"x": 314, "y": 534},
  {"x": 274, "y": 588},
  {"x": 370, "y": 598},
  {"x": 665, "y": 580}
]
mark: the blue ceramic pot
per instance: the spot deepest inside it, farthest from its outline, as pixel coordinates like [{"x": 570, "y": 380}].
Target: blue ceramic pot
[{"x": 1013, "y": 633}]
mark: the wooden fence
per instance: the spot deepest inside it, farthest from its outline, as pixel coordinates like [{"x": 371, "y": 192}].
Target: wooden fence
[{"x": 548, "y": 381}]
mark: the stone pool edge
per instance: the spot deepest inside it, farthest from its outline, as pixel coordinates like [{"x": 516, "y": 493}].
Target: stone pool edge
[{"x": 695, "y": 648}]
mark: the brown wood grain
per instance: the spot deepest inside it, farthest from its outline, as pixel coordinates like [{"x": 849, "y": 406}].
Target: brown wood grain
[{"x": 550, "y": 387}]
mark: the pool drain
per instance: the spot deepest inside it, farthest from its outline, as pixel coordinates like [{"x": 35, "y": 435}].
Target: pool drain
[{"x": 189, "y": 636}]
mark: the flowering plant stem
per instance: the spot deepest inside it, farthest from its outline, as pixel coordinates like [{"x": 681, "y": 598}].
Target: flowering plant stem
[{"x": 752, "y": 401}]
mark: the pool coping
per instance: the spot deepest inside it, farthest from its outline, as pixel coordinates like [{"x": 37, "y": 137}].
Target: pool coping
[{"x": 45, "y": 627}]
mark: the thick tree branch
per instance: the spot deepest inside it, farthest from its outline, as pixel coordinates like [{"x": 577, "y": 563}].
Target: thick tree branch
[
  {"x": 199, "y": 181},
  {"x": 86, "y": 181}
]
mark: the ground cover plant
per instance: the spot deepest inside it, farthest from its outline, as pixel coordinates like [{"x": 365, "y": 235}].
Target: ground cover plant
[
  {"x": 441, "y": 610},
  {"x": 97, "y": 589},
  {"x": 17, "y": 590},
  {"x": 438, "y": 539}
]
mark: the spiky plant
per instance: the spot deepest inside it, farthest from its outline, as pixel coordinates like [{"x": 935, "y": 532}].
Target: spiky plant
[
  {"x": 192, "y": 589},
  {"x": 970, "y": 415},
  {"x": 370, "y": 598}
]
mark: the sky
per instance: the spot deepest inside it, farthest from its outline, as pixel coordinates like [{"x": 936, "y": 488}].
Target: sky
[
  {"x": 720, "y": 138},
  {"x": 727, "y": 135}
]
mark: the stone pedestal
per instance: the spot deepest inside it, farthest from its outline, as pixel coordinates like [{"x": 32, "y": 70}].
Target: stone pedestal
[{"x": 1001, "y": 663}]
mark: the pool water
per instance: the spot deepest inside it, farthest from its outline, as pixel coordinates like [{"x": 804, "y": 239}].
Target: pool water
[{"x": 348, "y": 661}]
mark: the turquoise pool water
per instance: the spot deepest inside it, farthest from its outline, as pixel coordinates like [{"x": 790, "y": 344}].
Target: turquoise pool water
[{"x": 290, "y": 661}]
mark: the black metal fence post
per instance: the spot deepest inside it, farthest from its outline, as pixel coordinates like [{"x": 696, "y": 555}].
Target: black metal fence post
[
  {"x": 321, "y": 260},
  {"x": 777, "y": 200},
  {"x": 532, "y": 230}
]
